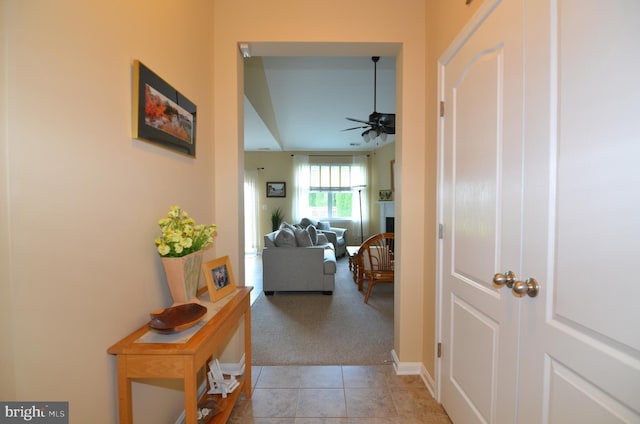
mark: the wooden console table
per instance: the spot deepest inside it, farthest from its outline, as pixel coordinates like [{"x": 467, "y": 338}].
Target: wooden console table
[{"x": 138, "y": 360}]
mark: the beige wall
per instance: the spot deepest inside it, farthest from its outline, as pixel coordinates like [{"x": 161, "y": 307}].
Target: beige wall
[
  {"x": 275, "y": 166},
  {"x": 84, "y": 198},
  {"x": 7, "y": 382},
  {"x": 380, "y": 180},
  {"x": 350, "y": 22}
]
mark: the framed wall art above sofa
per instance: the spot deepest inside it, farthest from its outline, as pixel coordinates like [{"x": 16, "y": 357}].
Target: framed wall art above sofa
[{"x": 276, "y": 189}]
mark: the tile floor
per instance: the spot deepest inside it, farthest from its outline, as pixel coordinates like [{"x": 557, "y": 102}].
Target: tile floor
[
  {"x": 357, "y": 394},
  {"x": 336, "y": 395}
]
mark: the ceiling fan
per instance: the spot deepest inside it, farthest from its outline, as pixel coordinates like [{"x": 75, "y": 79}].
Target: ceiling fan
[{"x": 378, "y": 123}]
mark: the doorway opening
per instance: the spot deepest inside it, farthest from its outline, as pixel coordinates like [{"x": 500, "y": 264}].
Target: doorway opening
[{"x": 257, "y": 206}]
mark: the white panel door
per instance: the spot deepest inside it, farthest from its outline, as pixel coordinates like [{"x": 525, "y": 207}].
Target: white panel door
[
  {"x": 554, "y": 197},
  {"x": 481, "y": 179},
  {"x": 580, "y": 338}
]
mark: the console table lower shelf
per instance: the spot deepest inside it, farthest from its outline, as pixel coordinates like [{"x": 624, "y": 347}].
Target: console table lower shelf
[
  {"x": 225, "y": 405},
  {"x": 184, "y": 358}
]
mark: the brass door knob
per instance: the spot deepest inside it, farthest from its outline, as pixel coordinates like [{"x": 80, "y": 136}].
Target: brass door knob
[
  {"x": 529, "y": 287},
  {"x": 506, "y": 279}
]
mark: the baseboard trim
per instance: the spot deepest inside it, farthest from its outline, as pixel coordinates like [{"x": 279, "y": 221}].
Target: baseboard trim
[
  {"x": 413, "y": 368},
  {"x": 405, "y": 368},
  {"x": 428, "y": 381}
]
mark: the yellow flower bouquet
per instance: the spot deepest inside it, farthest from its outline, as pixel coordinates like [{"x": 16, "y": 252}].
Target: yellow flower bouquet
[{"x": 181, "y": 235}]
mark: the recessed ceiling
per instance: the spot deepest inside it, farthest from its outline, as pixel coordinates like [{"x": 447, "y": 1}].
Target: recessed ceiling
[{"x": 300, "y": 103}]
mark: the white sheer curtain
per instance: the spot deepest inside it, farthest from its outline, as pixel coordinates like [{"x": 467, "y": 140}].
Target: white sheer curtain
[
  {"x": 251, "y": 211},
  {"x": 359, "y": 186},
  {"x": 301, "y": 176}
]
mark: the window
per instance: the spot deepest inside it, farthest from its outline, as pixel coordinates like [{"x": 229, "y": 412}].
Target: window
[
  {"x": 331, "y": 205},
  {"x": 330, "y": 191},
  {"x": 330, "y": 195}
]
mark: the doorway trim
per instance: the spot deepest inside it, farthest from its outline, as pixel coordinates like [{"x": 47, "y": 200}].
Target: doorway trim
[{"x": 343, "y": 49}]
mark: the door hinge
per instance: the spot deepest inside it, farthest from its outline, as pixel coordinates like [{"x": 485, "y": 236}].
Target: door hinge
[
  {"x": 439, "y": 350},
  {"x": 441, "y": 108},
  {"x": 440, "y": 231}
]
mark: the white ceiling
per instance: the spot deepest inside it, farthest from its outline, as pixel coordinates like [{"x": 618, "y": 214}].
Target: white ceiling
[{"x": 308, "y": 99}]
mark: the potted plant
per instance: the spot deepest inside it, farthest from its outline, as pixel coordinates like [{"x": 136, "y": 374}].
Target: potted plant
[
  {"x": 277, "y": 216},
  {"x": 180, "y": 245}
]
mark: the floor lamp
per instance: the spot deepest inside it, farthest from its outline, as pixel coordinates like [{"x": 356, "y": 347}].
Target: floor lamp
[{"x": 360, "y": 203}]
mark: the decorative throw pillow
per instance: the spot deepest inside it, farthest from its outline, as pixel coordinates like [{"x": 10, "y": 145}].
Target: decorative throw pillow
[
  {"x": 302, "y": 238},
  {"x": 305, "y": 222},
  {"x": 287, "y": 225},
  {"x": 323, "y": 225},
  {"x": 313, "y": 234},
  {"x": 324, "y": 241},
  {"x": 285, "y": 238},
  {"x": 269, "y": 240}
]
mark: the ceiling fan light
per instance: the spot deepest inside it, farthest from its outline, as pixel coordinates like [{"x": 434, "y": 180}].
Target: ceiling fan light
[{"x": 379, "y": 124}]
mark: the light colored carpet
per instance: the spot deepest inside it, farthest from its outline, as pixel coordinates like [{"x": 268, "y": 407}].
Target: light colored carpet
[{"x": 315, "y": 329}]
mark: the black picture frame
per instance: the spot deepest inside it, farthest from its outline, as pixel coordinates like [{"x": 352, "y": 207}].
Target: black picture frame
[
  {"x": 276, "y": 189},
  {"x": 161, "y": 114}
]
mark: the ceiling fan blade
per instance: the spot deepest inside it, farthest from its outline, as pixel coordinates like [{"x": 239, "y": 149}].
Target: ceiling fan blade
[
  {"x": 378, "y": 123},
  {"x": 360, "y": 120},
  {"x": 355, "y": 128}
]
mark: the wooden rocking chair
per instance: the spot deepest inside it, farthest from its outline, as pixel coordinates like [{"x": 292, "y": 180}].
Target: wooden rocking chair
[{"x": 376, "y": 261}]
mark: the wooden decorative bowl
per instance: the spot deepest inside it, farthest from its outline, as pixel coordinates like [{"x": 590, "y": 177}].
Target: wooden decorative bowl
[{"x": 177, "y": 318}]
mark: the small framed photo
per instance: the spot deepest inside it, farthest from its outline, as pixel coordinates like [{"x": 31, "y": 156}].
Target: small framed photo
[
  {"x": 276, "y": 189},
  {"x": 219, "y": 278},
  {"x": 160, "y": 113}
]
